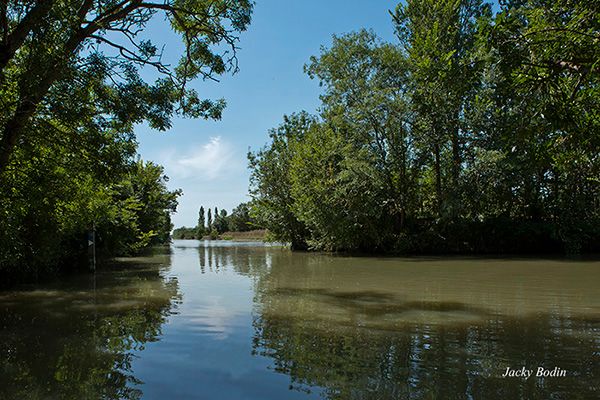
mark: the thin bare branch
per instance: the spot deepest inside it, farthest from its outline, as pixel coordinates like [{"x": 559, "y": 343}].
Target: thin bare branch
[
  {"x": 131, "y": 55},
  {"x": 86, "y": 5}
]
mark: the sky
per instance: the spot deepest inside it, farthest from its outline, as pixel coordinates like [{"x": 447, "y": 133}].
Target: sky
[{"x": 208, "y": 159}]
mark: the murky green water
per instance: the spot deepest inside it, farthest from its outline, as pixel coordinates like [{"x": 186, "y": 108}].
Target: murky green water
[{"x": 218, "y": 320}]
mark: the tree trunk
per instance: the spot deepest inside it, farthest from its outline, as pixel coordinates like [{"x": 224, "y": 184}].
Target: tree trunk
[
  {"x": 438, "y": 178},
  {"x": 32, "y": 91},
  {"x": 456, "y": 158},
  {"x": 12, "y": 132}
]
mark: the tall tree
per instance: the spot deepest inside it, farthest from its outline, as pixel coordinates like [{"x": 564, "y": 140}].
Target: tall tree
[
  {"x": 271, "y": 182},
  {"x": 221, "y": 223},
  {"x": 438, "y": 37},
  {"x": 201, "y": 218},
  {"x": 547, "y": 102},
  {"x": 474, "y": 133},
  {"x": 70, "y": 94},
  {"x": 364, "y": 102},
  {"x": 200, "y": 228},
  {"x": 240, "y": 219}
]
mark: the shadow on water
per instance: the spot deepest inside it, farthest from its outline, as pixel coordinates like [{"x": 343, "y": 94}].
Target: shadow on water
[
  {"x": 77, "y": 338},
  {"x": 375, "y": 304}
]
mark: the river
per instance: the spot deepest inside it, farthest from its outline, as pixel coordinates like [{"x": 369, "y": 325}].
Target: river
[{"x": 225, "y": 320}]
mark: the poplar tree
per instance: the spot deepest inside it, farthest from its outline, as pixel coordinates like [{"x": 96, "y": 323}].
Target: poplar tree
[{"x": 201, "y": 221}]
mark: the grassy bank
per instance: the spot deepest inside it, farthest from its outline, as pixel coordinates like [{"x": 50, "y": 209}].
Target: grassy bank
[{"x": 257, "y": 234}]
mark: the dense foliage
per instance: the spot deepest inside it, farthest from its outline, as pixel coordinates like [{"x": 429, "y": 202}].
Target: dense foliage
[
  {"x": 473, "y": 133},
  {"x": 71, "y": 92},
  {"x": 46, "y": 211}
]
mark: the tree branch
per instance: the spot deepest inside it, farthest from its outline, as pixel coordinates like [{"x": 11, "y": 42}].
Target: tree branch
[
  {"x": 132, "y": 56},
  {"x": 4, "y": 22},
  {"x": 16, "y": 38}
]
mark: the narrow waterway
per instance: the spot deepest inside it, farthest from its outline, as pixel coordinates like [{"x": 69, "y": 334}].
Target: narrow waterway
[{"x": 224, "y": 320}]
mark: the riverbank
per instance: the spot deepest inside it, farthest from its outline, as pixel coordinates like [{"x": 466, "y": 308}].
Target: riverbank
[
  {"x": 256, "y": 234},
  {"x": 253, "y": 235}
]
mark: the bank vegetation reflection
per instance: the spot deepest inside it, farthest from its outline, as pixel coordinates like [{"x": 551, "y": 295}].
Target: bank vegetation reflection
[
  {"x": 347, "y": 344},
  {"x": 77, "y": 340}
]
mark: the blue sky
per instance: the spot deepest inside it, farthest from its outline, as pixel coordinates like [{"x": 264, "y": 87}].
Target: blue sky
[{"x": 207, "y": 159}]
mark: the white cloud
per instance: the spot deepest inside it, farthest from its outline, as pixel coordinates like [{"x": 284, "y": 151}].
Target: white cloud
[{"x": 209, "y": 161}]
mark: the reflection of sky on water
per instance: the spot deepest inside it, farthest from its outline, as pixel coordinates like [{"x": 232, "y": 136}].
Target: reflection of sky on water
[
  {"x": 207, "y": 349},
  {"x": 213, "y": 318}
]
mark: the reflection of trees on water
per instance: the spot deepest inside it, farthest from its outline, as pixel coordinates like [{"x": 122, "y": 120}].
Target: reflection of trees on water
[
  {"x": 421, "y": 361},
  {"x": 78, "y": 340},
  {"x": 352, "y": 345},
  {"x": 244, "y": 260}
]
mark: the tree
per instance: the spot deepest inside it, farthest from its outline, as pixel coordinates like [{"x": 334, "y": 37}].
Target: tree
[
  {"x": 44, "y": 56},
  {"x": 209, "y": 220},
  {"x": 201, "y": 217},
  {"x": 240, "y": 219},
  {"x": 472, "y": 134},
  {"x": 547, "y": 99},
  {"x": 56, "y": 186},
  {"x": 70, "y": 94},
  {"x": 185, "y": 233},
  {"x": 221, "y": 223},
  {"x": 365, "y": 103},
  {"x": 438, "y": 38},
  {"x": 201, "y": 222},
  {"x": 339, "y": 193},
  {"x": 138, "y": 212},
  {"x": 44, "y": 218},
  {"x": 270, "y": 182}
]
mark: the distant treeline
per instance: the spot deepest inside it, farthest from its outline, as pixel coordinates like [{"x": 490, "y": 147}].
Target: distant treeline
[
  {"x": 473, "y": 132},
  {"x": 212, "y": 225}
]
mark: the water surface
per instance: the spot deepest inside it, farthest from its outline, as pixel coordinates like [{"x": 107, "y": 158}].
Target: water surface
[{"x": 223, "y": 320}]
